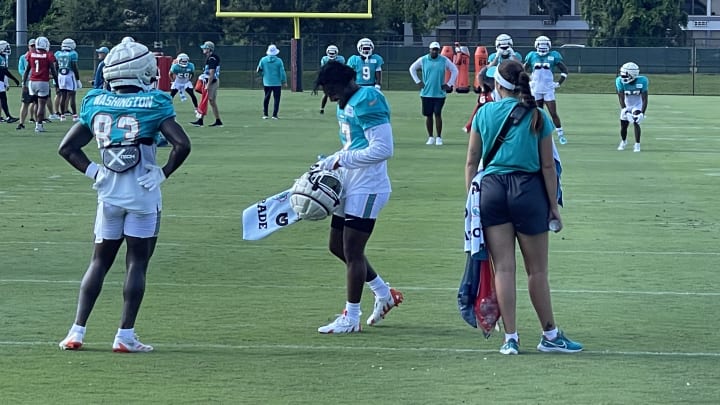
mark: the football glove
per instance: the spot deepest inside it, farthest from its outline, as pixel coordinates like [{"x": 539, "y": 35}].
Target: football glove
[
  {"x": 638, "y": 118},
  {"x": 377, "y": 86},
  {"x": 92, "y": 170},
  {"x": 327, "y": 163},
  {"x": 154, "y": 177}
]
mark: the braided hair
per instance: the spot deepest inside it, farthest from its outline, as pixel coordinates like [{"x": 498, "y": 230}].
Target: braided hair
[
  {"x": 515, "y": 74},
  {"x": 336, "y": 73}
]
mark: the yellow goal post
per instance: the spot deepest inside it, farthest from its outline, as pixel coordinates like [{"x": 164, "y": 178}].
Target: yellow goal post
[{"x": 296, "y": 42}]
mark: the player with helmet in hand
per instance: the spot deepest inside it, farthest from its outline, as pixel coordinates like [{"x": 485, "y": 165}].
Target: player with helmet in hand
[
  {"x": 181, "y": 74},
  {"x": 66, "y": 60},
  {"x": 367, "y": 64},
  {"x": 37, "y": 79},
  {"x": 5, "y": 74},
  {"x": 332, "y": 53},
  {"x": 632, "y": 91},
  {"x": 503, "y": 51},
  {"x": 124, "y": 121},
  {"x": 367, "y": 143},
  {"x": 541, "y": 64}
]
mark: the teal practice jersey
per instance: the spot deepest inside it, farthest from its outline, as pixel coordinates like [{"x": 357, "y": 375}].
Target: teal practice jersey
[
  {"x": 365, "y": 68},
  {"x": 117, "y": 119},
  {"x": 367, "y": 108}
]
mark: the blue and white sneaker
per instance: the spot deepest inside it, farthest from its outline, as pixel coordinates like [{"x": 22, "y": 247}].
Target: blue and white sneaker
[
  {"x": 510, "y": 347},
  {"x": 561, "y": 344}
]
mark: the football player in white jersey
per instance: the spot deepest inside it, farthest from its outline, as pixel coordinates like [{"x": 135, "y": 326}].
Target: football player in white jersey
[
  {"x": 541, "y": 64},
  {"x": 125, "y": 122},
  {"x": 632, "y": 91},
  {"x": 367, "y": 143},
  {"x": 181, "y": 74},
  {"x": 66, "y": 61}
]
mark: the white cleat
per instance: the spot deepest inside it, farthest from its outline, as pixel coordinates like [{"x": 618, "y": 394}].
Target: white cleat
[
  {"x": 636, "y": 148},
  {"x": 622, "y": 145},
  {"x": 438, "y": 141},
  {"x": 73, "y": 341},
  {"x": 133, "y": 345},
  {"x": 341, "y": 324},
  {"x": 384, "y": 305},
  {"x": 430, "y": 141}
]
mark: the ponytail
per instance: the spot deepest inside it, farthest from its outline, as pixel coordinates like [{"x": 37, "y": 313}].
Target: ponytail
[{"x": 514, "y": 73}]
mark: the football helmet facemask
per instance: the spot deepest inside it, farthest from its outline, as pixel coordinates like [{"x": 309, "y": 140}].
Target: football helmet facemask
[
  {"x": 503, "y": 44},
  {"x": 542, "y": 45},
  {"x": 365, "y": 47},
  {"x": 332, "y": 52},
  {"x": 316, "y": 194},
  {"x": 130, "y": 64},
  {"x": 629, "y": 72},
  {"x": 183, "y": 59},
  {"x": 5, "y": 48}
]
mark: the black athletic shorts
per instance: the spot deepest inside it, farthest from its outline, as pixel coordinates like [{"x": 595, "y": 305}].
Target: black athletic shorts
[
  {"x": 519, "y": 198},
  {"x": 432, "y": 105}
]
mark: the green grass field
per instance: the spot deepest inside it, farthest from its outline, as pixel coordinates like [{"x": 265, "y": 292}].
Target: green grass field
[{"x": 634, "y": 273}]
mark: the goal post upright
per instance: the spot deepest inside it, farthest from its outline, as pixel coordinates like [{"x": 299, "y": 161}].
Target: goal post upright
[{"x": 296, "y": 42}]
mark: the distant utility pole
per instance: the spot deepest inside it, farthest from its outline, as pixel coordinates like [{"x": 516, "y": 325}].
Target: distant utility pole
[{"x": 21, "y": 33}]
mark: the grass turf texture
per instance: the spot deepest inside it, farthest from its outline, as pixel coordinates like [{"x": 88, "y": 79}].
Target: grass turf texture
[{"x": 633, "y": 272}]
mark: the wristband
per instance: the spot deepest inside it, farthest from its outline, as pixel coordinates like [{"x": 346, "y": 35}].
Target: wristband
[
  {"x": 92, "y": 170},
  {"x": 563, "y": 75}
]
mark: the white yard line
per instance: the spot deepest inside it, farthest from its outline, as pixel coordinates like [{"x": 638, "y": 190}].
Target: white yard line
[
  {"x": 339, "y": 287},
  {"x": 275, "y": 347}
]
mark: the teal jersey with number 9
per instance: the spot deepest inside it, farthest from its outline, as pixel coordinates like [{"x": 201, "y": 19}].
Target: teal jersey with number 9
[
  {"x": 365, "y": 68},
  {"x": 123, "y": 119}
]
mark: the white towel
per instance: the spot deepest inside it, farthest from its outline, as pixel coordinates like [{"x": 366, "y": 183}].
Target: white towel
[
  {"x": 268, "y": 215},
  {"x": 474, "y": 241}
]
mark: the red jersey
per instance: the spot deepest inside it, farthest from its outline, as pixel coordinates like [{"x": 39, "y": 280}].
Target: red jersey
[{"x": 39, "y": 63}]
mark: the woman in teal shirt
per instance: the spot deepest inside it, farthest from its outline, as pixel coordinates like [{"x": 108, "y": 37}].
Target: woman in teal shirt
[{"x": 516, "y": 203}]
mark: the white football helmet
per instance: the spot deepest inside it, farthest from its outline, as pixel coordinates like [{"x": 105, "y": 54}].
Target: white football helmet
[
  {"x": 316, "y": 194},
  {"x": 42, "y": 43},
  {"x": 542, "y": 45},
  {"x": 183, "y": 59},
  {"x": 365, "y": 47},
  {"x": 332, "y": 52},
  {"x": 68, "y": 44},
  {"x": 503, "y": 44},
  {"x": 5, "y": 48},
  {"x": 629, "y": 72},
  {"x": 130, "y": 64}
]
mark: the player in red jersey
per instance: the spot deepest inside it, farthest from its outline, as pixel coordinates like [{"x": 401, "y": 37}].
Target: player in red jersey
[{"x": 36, "y": 78}]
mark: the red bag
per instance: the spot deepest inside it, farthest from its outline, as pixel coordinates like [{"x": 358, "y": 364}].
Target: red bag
[
  {"x": 487, "y": 310},
  {"x": 202, "y": 107}
]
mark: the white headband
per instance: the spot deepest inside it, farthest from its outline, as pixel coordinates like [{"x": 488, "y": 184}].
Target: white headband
[{"x": 498, "y": 78}]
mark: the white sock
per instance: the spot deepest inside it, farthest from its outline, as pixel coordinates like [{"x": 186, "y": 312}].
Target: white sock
[
  {"x": 378, "y": 287},
  {"x": 551, "y": 334},
  {"x": 126, "y": 333},
  {"x": 513, "y": 335},
  {"x": 560, "y": 131},
  {"x": 77, "y": 329},
  {"x": 353, "y": 311}
]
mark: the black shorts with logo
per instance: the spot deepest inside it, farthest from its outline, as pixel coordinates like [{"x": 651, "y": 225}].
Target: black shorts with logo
[{"x": 519, "y": 198}]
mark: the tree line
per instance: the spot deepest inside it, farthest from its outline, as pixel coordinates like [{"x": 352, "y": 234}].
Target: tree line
[{"x": 632, "y": 22}]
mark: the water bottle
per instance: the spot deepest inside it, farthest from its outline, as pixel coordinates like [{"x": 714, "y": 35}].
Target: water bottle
[{"x": 554, "y": 225}]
